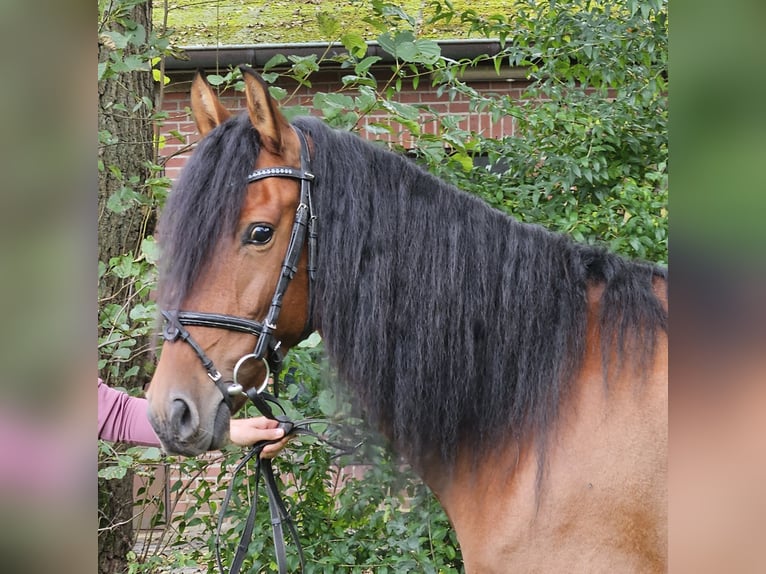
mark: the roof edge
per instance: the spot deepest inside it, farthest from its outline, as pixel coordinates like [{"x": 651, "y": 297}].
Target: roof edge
[{"x": 256, "y": 55}]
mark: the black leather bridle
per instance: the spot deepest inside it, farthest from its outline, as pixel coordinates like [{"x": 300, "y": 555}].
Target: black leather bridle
[{"x": 267, "y": 349}]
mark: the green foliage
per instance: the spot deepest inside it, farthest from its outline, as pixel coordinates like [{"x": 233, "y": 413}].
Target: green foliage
[
  {"x": 132, "y": 47},
  {"x": 589, "y": 148},
  {"x": 588, "y": 156},
  {"x": 386, "y": 521},
  {"x": 127, "y": 317},
  {"x": 123, "y": 323}
]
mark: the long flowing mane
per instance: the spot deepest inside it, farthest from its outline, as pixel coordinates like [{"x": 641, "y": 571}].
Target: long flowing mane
[
  {"x": 204, "y": 205},
  {"x": 450, "y": 320}
]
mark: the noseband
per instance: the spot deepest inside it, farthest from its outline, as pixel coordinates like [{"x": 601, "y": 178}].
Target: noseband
[{"x": 267, "y": 348}]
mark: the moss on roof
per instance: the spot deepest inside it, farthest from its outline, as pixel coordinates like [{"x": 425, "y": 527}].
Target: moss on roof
[{"x": 227, "y": 22}]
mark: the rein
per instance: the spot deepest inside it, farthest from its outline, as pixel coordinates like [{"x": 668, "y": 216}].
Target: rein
[
  {"x": 267, "y": 350},
  {"x": 278, "y": 512}
]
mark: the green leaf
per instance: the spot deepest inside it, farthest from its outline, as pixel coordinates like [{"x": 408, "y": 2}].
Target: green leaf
[
  {"x": 141, "y": 312},
  {"x": 465, "y": 161},
  {"x": 277, "y": 93},
  {"x": 137, "y": 35},
  {"x": 404, "y": 111},
  {"x": 131, "y": 372},
  {"x": 428, "y": 51},
  {"x": 366, "y": 98},
  {"x": 303, "y": 67},
  {"x": 150, "y": 249},
  {"x": 405, "y": 47},
  {"x": 363, "y": 66},
  {"x": 378, "y": 129},
  {"x": 406, "y": 51},
  {"x": 215, "y": 79},
  {"x": 124, "y": 266},
  {"x": 136, "y": 63},
  {"x": 311, "y": 341},
  {"x": 120, "y": 40},
  {"x": 152, "y": 453},
  {"x": 324, "y": 101},
  {"x": 113, "y": 472},
  {"x": 122, "y": 200},
  {"x": 387, "y": 44},
  {"x": 274, "y": 61},
  {"x": 122, "y": 353},
  {"x": 327, "y": 403},
  {"x": 158, "y": 76},
  {"x": 355, "y": 44}
]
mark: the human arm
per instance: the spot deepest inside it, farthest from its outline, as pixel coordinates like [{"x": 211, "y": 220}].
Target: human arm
[{"x": 122, "y": 418}]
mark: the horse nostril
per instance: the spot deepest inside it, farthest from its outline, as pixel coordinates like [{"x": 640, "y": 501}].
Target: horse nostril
[{"x": 184, "y": 419}]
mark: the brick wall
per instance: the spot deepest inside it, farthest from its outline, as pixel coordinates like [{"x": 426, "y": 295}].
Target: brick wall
[{"x": 176, "y": 104}]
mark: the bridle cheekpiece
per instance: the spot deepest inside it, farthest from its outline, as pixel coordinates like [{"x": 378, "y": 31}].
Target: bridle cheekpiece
[{"x": 267, "y": 348}]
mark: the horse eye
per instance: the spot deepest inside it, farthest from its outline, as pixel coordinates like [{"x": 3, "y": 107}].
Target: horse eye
[{"x": 259, "y": 234}]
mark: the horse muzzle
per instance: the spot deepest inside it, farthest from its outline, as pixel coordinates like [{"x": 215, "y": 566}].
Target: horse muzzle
[{"x": 185, "y": 429}]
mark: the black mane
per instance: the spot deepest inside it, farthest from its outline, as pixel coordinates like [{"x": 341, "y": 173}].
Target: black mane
[
  {"x": 204, "y": 205},
  {"x": 450, "y": 320}
]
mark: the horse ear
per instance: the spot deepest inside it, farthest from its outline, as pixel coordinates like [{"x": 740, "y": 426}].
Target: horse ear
[
  {"x": 206, "y": 108},
  {"x": 264, "y": 113}
]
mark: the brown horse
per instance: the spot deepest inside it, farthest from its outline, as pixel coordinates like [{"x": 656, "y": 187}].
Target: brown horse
[{"x": 523, "y": 375}]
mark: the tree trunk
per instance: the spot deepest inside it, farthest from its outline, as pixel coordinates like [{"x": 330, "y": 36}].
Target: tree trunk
[
  {"x": 121, "y": 233},
  {"x": 130, "y": 149},
  {"x": 115, "y": 524}
]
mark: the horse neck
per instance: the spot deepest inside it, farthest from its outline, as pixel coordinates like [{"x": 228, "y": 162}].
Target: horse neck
[{"x": 604, "y": 484}]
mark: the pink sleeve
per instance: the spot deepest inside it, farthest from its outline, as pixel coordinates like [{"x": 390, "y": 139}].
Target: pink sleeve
[{"x": 123, "y": 418}]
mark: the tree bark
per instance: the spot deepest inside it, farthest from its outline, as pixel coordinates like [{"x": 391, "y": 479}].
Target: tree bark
[
  {"x": 130, "y": 150},
  {"x": 120, "y": 233}
]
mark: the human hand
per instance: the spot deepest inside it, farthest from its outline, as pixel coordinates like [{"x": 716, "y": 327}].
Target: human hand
[{"x": 246, "y": 432}]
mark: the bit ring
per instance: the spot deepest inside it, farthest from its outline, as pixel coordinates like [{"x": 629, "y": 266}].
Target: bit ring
[{"x": 237, "y": 387}]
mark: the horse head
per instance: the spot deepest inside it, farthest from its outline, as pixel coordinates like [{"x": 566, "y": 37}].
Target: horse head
[{"x": 232, "y": 264}]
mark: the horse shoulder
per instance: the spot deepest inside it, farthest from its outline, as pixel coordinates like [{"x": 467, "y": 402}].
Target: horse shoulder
[{"x": 602, "y": 503}]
